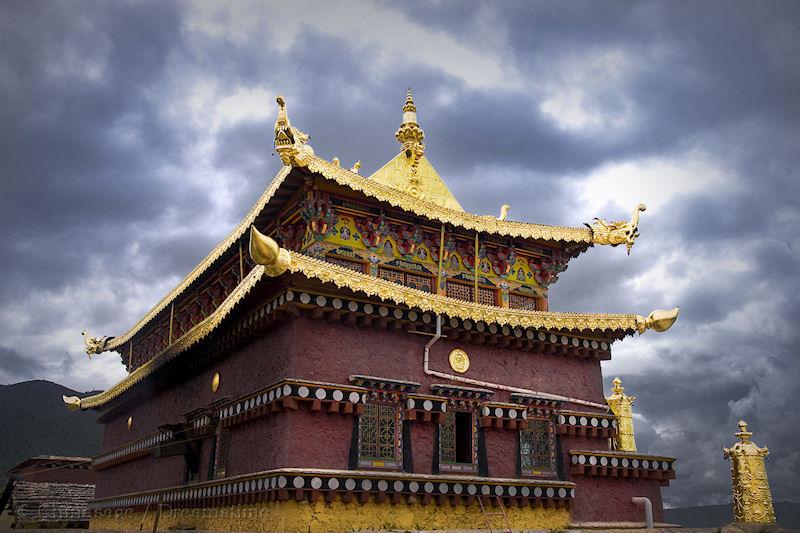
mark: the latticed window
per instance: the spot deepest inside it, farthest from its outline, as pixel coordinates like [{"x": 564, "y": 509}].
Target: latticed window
[
  {"x": 422, "y": 283},
  {"x": 456, "y": 445},
  {"x": 460, "y": 291},
  {"x": 415, "y": 281},
  {"x": 378, "y": 432},
  {"x": 347, "y": 263},
  {"x": 521, "y": 301},
  {"x": 487, "y": 296},
  {"x": 394, "y": 276},
  {"x": 536, "y": 448}
]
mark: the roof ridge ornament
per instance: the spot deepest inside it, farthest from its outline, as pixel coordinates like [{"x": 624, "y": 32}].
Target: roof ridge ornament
[
  {"x": 617, "y": 232},
  {"x": 290, "y": 143},
  {"x": 95, "y": 345},
  {"x": 266, "y": 252},
  {"x": 659, "y": 320},
  {"x": 752, "y": 500},
  {"x": 412, "y": 137}
]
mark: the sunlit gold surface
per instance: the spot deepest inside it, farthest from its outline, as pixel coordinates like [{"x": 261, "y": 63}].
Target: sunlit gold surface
[
  {"x": 409, "y": 171},
  {"x": 290, "y": 143},
  {"x": 459, "y": 360},
  {"x": 659, "y": 320},
  {"x": 266, "y": 252},
  {"x": 130, "y": 422},
  {"x": 622, "y": 406},
  {"x": 617, "y": 232},
  {"x": 215, "y": 382},
  {"x": 752, "y": 501}
]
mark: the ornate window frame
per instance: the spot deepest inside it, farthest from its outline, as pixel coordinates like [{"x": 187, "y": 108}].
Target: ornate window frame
[
  {"x": 450, "y": 466},
  {"x": 528, "y": 438},
  {"x": 373, "y": 408}
]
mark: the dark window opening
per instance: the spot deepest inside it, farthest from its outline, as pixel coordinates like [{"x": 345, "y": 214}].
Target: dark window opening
[{"x": 463, "y": 437}]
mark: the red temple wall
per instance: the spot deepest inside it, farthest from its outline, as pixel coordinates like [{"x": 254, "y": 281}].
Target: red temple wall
[
  {"x": 501, "y": 452},
  {"x": 145, "y": 473},
  {"x": 261, "y": 444},
  {"x": 256, "y": 365},
  {"x": 423, "y": 435},
  {"x": 332, "y": 352},
  {"x": 603, "y": 499}
]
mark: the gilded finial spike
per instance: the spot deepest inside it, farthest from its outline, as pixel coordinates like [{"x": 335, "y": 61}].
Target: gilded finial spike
[
  {"x": 622, "y": 406},
  {"x": 411, "y": 136},
  {"x": 266, "y": 252},
  {"x": 752, "y": 500}
]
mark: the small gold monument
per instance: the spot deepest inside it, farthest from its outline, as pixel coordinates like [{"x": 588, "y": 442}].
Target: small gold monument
[{"x": 752, "y": 501}]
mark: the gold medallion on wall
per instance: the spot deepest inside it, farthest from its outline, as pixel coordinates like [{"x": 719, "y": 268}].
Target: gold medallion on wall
[
  {"x": 459, "y": 360},
  {"x": 215, "y": 382}
]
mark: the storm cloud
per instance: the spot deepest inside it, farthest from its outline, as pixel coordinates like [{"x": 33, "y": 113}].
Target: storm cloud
[{"x": 136, "y": 134}]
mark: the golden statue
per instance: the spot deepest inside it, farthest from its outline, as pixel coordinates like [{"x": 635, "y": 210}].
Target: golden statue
[
  {"x": 290, "y": 143},
  {"x": 617, "y": 232},
  {"x": 752, "y": 501},
  {"x": 622, "y": 406}
]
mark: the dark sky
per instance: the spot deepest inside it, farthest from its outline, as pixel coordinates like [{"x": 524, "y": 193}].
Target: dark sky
[{"x": 135, "y": 135}]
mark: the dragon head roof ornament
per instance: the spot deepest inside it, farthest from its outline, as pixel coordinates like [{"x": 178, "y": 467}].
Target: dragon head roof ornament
[
  {"x": 290, "y": 143},
  {"x": 94, "y": 345},
  {"x": 617, "y": 232}
]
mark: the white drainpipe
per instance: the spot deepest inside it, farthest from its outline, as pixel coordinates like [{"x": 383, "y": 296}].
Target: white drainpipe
[
  {"x": 648, "y": 509},
  {"x": 488, "y": 384}
]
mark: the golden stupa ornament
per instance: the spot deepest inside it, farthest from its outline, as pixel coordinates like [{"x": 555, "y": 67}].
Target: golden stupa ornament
[
  {"x": 622, "y": 406},
  {"x": 752, "y": 501},
  {"x": 411, "y": 136}
]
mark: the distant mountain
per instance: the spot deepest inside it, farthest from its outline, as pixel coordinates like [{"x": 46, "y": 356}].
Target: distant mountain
[
  {"x": 34, "y": 421},
  {"x": 787, "y": 513}
]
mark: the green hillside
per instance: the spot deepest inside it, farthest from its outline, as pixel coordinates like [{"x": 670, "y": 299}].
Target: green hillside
[{"x": 34, "y": 421}]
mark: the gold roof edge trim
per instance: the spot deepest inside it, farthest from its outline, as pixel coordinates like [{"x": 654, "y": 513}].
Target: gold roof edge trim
[
  {"x": 430, "y": 210},
  {"x": 201, "y": 267},
  {"x": 386, "y": 290},
  {"x": 190, "y": 338},
  {"x": 436, "y": 303}
]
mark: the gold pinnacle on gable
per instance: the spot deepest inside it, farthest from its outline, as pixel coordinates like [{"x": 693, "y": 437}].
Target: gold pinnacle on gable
[
  {"x": 411, "y": 136},
  {"x": 622, "y": 406},
  {"x": 752, "y": 501}
]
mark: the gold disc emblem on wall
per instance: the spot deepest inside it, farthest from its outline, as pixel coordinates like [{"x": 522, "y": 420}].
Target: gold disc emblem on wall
[
  {"x": 215, "y": 382},
  {"x": 459, "y": 360}
]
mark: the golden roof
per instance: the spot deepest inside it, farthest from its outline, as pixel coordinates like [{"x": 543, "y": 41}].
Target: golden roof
[
  {"x": 395, "y": 173},
  {"x": 428, "y": 197}
]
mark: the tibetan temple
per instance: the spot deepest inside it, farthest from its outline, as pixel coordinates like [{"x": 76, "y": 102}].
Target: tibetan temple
[{"x": 361, "y": 353}]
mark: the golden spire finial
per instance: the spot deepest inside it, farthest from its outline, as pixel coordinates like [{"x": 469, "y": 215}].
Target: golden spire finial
[
  {"x": 411, "y": 136},
  {"x": 752, "y": 501},
  {"x": 622, "y": 406}
]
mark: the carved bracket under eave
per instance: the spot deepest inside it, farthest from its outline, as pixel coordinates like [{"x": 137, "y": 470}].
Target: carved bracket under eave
[{"x": 617, "y": 232}]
